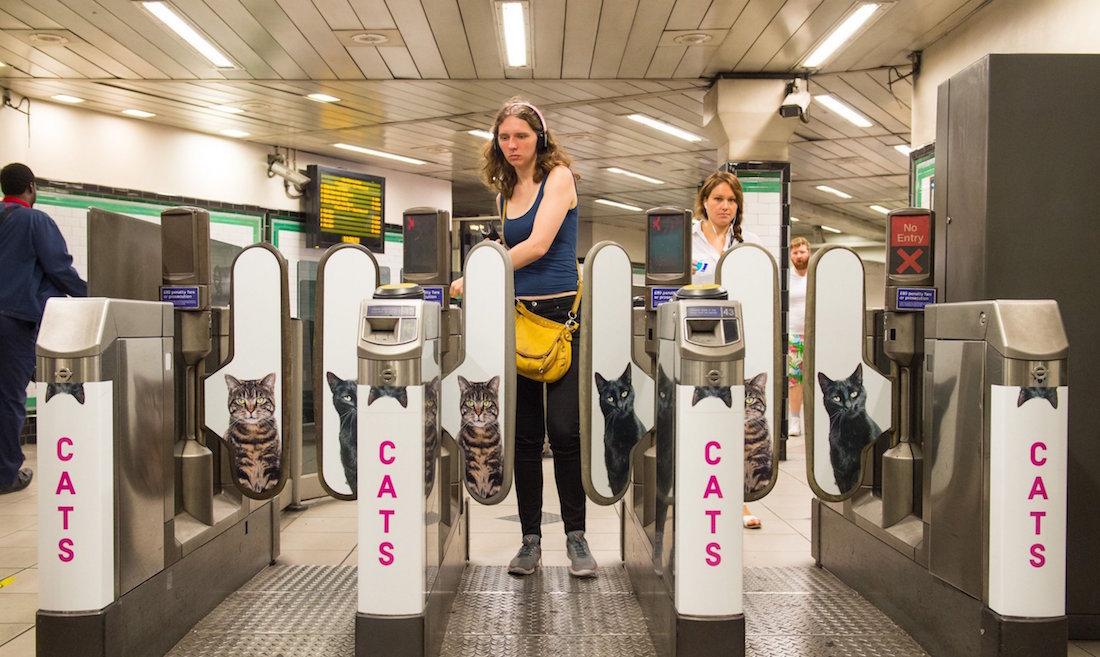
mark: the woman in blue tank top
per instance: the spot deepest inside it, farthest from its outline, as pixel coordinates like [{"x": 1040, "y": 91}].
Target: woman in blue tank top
[{"x": 537, "y": 196}]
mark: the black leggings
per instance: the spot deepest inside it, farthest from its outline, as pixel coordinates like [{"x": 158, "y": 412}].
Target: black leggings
[{"x": 563, "y": 426}]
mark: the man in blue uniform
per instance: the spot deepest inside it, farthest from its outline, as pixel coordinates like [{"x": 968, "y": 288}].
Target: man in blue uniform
[{"x": 34, "y": 265}]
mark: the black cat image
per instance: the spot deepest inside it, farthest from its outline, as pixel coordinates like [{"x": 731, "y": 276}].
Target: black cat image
[
  {"x": 344, "y": 396},
  {"x": 1049, "y": 394},
  {"x": 397, "y": 392},
  {"x": 721, "y": 392},
  {"x": 621, "y": 427},
  {"x": 666, "y": 452},
  {"x": 850, "y": 427},
  {"x": 759, "y": 462},
  {"x": 74, "y": 389}
]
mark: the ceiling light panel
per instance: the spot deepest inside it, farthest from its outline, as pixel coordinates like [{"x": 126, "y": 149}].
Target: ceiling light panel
[
  {"x": 844, "y": 111},
  {"x": 65, "y": 98},
  {"x": 833, "y": 191},
  {"x": 616, "y": 204},
  {"x": 513, "y": 20},
  {"x": 665, "y": 127},
  {"x": 636, "y": 176},
  {"x": 382, "y": 154},
  {"x": 842, "y": 34},
  {"x": 167, "y": 15}
]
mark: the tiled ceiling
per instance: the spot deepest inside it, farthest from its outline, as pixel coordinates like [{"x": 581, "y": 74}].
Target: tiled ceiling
[{"x": 440, "y": 72}]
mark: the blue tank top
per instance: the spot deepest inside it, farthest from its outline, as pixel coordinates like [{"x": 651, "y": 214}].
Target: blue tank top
[{"x": 556, "y": 270}]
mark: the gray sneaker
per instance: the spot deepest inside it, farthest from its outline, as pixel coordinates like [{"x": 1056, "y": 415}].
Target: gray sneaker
[
  {"x": 527, "y": 559},
  {"x": 581, "y": 561}
]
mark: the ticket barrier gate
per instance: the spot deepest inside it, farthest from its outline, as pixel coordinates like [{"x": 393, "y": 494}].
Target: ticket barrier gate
[
  {"x": 405, "y": 571},
  {"x": 684, "y": 553},
  {"x": 984, "y": 572},
  {"x": 113, "y": 580}
]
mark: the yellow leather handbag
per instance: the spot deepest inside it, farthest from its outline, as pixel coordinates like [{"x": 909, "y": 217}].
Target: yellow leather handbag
[{"x": 544, "y": 348}]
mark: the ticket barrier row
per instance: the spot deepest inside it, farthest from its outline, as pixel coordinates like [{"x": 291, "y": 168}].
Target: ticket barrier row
[
  {"x": 143, "y": 529},
  {"x": 948, "y": 509}
]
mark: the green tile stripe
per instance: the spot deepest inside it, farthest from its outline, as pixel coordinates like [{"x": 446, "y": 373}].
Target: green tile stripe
[
  {"x": 143, "y": 209},
  {"x": 768, "y": 182},
  {"x": 280, "y": 224}
]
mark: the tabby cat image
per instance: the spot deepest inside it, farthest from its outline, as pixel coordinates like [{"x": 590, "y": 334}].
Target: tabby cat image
[
  {"x": 480, "y": 437},
  {"x": 253, "y": 434},
  {"x": 345, "y": 393},
  {"x": 431, "y": 433},
  {"x": 850, "y": 427},
  {"x": 759, "y": 463},
  {"x": 622, "y": 429}
]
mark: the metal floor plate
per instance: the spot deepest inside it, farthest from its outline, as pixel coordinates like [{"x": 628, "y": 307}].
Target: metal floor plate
[{"x": 309, "y": 611}]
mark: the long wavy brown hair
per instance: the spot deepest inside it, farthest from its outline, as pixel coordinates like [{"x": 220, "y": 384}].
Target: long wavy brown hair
[
  {"x": 712, "y": 181},
  {"x": 497, "y": 173}
]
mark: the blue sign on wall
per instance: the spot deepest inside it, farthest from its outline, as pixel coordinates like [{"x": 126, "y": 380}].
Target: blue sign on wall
[
  {"x": 180, "y": 296},
  {"x": 915, "y": 298}
]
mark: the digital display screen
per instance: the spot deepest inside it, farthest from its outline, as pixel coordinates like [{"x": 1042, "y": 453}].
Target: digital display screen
[
  {"x": 420, "y": 243},
  {"x": 665, "y": 244},
  {"x": 345, "y": 206}
]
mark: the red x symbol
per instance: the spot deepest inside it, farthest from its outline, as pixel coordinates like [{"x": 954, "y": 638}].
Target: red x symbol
[{"x": 909, "y": 260}]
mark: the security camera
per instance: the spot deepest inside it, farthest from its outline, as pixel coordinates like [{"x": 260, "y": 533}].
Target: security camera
[
  {"x": 276, "y": 166},
  {"x": 796, "y": 102}
]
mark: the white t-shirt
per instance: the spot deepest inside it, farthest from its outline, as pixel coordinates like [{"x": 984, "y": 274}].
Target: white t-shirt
[
  {"x": 704, "y": 259},
  {"x": 796, "y": 317}
]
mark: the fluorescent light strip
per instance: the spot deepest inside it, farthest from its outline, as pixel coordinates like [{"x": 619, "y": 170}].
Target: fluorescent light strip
[
  {"x": 229, "y": 109},
  {"x": 374, "y": 153},
  {"x": 141, "y": 114},
  {"x": 323, "y": 98},
  {"x": 233, "y": 132},
  {"x": 844, "y": 111},
  {"x": 484, "y": 134},
  {"x": 880, "y": 209},
  {"x": 830, "y": 229},
  {"x": 840, "y": 35},
  {"x": 616, "y": 204},
  {"x": 664, "y": 127},
  {"x": 836, "y": 192},
  {"x": 163, "y": 12},
  {"x": 515, "y": 33},
  {"x": 624, "y": 172},
  {"x": 67, "y": 99},
  {"x": 903, "y": 149},
  {"x": 795, "y": 219}
]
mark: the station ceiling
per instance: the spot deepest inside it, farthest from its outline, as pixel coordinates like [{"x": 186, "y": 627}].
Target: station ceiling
[{"x": 413, "y": 76}]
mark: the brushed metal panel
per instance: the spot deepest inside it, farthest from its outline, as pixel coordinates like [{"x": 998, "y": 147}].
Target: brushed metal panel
[
  {"x": 143, "y": 458},
  {"x": 954, "y": 443}
]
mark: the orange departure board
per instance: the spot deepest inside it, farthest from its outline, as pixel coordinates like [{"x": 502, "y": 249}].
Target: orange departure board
[{"x": 345, "y": 206}]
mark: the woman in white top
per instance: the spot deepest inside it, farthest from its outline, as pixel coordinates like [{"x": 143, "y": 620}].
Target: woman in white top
[{"x": 720, "y": 206}]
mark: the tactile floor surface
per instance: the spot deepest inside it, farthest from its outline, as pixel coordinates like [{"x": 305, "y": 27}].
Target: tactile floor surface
[{"x": 309, "y": 611}]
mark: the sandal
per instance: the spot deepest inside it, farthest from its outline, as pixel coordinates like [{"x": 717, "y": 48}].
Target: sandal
[{"x": 751, "y": 522}]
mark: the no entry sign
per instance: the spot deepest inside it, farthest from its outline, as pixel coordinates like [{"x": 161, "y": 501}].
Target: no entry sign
[{"x": 910, "y": 244}]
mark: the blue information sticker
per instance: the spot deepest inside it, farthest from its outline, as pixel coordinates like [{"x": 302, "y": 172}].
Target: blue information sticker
[
  {"x": 433, "y": 293},
  {"x": 915, "y": 298},
  {"x": 659, "y": 295},
  {"x": 180, "y": 296}
]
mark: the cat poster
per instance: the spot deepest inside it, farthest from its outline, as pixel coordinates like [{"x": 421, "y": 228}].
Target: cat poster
[
  {"x": 750, "y": 275},
  {"x": 245, "y": 405},
  {"x": 478, "y": 397},
  {"x": 346, "y": 274},
  {"x": 1028, "y": 475},
  {"x": 619, "y": 407},
  {"x": 848, "y": 402}
]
